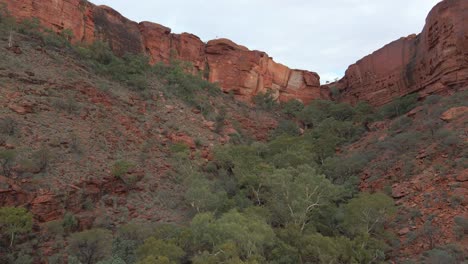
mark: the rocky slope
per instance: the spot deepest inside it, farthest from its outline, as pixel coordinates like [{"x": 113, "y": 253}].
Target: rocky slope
[
  {"x": 236, "y": 68},
  {"x": 68, "y": 127},
  {"x": 435, "y": 61}
]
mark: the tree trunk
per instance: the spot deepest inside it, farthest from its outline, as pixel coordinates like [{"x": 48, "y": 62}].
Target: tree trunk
[
  {"x": 10, "y": 40},
  {"x": 12, "y": 239}
]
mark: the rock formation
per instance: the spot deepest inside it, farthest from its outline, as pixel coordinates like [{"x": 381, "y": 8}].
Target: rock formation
[
  {"x": 236, "y": 68},
  {"x": 435, "y": 61}
]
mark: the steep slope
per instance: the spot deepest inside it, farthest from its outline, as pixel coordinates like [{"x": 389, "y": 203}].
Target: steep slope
[
  {"x": 74, "y": 142},
  {"x": 236, "y": 68},
  {"x": 420, "y": 159},
  {"x": 435, "y": 61}
]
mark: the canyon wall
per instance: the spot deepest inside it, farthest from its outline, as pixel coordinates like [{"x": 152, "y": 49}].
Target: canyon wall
[
  {"x": 236, "y": 68},
  {"x": 435, "y": 61}
]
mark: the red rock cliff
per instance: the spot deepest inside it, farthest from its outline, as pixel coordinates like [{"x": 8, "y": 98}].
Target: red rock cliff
[
  {"x": 234, "y": 67},
  {"x": 435, "y": 61}
]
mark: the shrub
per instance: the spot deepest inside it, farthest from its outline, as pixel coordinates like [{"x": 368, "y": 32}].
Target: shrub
[
  {"x": 7, "y": 158},
  {"x": 399, "y": 106},
  {"x": 130, "y": 69},
  {"x": 342, "y": 169},
  {"x": 342, "y": 112},
  {"x": 121, "y": 168},
  {"x": 90, "y": 246},
  {"x": 461, "y": 227},
  {"x": 179, "y": 148},
  {"x": 292, "y": 107},
  {"x": 438, "y": 256},
  {"x": 315, "y": 112},
  {"x": 57, "y": 40},
  {"x": 68, "y": 104},
  {"x": 69, "y": 222},
  {"x": 286, "y": 127},
  {"x": 8, "y": 126},
  {"x": 265, "y": 101},
  {"x": 401, "y": 123},
  {"x": 41, "y": 159}
]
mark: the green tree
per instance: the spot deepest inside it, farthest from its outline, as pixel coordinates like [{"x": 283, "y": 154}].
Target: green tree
[
  {"x": 292, "y": 108},
  {"x": 248, "y": 232},
  {"x": 342, "y": 112},
  {"x": 161, "y": 251},
  {"x": 91, "y": 246},
  {"x": 202, "y": 195},
  {"x": 297, "y": 192},
  {"x": 15, "y": 220},
  {"x": 367, "y": 213},
  {"x": 7, "y": 158},
  {"x": 315, "y": 112},
  {"x": 286, "y": 127}
]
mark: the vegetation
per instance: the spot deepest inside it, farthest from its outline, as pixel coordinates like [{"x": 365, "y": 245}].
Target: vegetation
[
  {"x": 7, "y": 157},
  {"x": 291, "y": 199},
  {"x": 14, "y": 221},
  {"x": 90, "y": 246},
  {"x": 399, "y": 106}
]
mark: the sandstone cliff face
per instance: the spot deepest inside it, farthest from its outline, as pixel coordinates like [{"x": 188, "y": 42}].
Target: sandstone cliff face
[
  {"x": 247, "y": 73},
  {"x": 435, "y": 61},
  {"x": 236, "y": 68}
]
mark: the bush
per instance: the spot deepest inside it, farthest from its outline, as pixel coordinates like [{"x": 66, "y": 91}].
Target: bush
[
  {"x": 68, "y": 104},
  {"x": 69, "y": 222},
  {"x": 399, "y": 106},
  {"x": 179, "y": 148},
  {"x": 292, "y": 107},
  {"x": 438, "y": 256},
  {"x": 121, "y": 168},
  {"x": 41, "y": 159},
  {"x": 129, "y": 69},
  {"x": 315, "y": 112},
  {"x": 285, "y": 127},
  {"x": 461, "y": 227},
  {"x": 401, "y": 124},
  {"x": 57, "y": 40},
  {"x": 7, "y": 158},
  {"x": 265, "y": 101},
  {"x": 90, "y": 246},
  {"x": 8, "y": 126},
  {"x": 342, "y": 112}
]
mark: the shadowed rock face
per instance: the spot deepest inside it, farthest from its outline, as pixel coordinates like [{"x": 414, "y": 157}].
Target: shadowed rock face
[
  {"x": 234, "y": 67},
  {"x": 435, "y": 61}
]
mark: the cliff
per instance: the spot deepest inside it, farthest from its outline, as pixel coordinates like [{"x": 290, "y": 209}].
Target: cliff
[
  {"x": 236, "y": 68},
  {"x": 435, "y": 61}
]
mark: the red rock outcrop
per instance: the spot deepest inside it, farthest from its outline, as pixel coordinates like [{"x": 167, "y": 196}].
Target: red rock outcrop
[
  {"x": 435, "y": 61},
  {"x": 234, "y": 67},
  {"x": 248, "y": 73}
]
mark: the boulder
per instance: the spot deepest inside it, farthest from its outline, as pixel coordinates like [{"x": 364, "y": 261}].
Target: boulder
[{"x": 454, "y": 113}]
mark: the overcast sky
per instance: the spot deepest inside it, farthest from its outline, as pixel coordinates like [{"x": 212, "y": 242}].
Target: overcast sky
[{"x": 324, "y": 36}]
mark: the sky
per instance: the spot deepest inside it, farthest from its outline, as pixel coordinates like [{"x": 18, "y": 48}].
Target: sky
[{"x": 323, "y": 36}]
